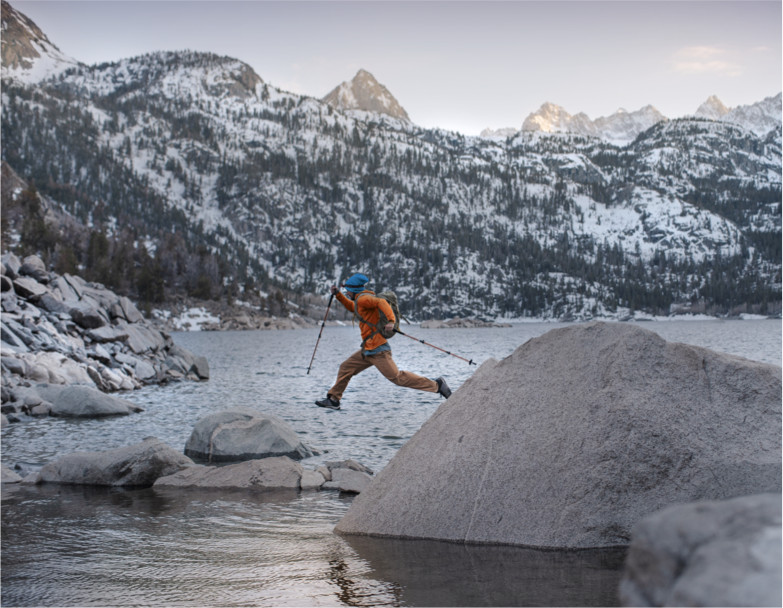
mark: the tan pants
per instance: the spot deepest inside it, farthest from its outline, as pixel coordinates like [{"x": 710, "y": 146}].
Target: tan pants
[{"x": 356, "y": 364}]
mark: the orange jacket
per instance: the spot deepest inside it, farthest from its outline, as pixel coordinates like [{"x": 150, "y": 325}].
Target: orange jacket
[{"x": 368, "y": 309}]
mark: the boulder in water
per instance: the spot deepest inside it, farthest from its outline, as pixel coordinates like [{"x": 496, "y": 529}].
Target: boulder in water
[
  {"x": 717, "y": 553},
  {"x": 244, "y": 434},
  {"x": 83, "y": 402},
  {"x": 280, "y": 473},
  {"x": 139, "y": 465},
  {"x": 575, "y": 437}
]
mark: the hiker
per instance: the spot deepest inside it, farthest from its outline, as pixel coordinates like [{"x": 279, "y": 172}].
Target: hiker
[{"x": 375, "y": 350}]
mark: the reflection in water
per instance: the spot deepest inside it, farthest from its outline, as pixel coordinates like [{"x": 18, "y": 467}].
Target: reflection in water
[{"x": 437, "y": 573}]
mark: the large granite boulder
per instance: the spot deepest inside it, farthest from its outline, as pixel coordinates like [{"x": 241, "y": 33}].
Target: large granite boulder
[
  {"x": 243, "y": 434},
  {"x": 575, "y": 437},
  {"x": 718, "y": 553},
  {"x": 139, "y": 465}
]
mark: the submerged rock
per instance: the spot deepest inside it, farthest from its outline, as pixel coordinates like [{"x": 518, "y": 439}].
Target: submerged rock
[
  {"x": 83, "y": 402},
  {"x": 139, "y": 465},
  {"x": 720, "y": 553},
  {"x": 244, "y": 434},
  {"x": 575, "y": 437}
]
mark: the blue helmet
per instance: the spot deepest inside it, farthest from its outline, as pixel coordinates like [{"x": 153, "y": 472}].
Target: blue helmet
[{"x": 356, "y": 283}]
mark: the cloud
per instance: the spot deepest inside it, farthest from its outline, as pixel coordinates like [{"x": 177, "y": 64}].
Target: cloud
[{"x": 704, "y": 60}]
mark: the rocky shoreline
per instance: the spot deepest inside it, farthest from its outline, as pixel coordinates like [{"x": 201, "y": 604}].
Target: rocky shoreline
[{"x": 61, "y": 331}]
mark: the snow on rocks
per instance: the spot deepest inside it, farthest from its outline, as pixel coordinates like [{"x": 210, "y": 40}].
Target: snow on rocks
[
  {"x": 575, "y": 437},
  {"x": 62, "y": 330},
  {"x": 244, "y": 434},
  {"x": 712, "y": 553}
]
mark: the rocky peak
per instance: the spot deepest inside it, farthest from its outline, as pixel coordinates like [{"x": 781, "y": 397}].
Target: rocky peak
[
  {"x": 27, "y": 53},
  {"x": 713, "y": 109},
  {"x": 364, "y": 92}
]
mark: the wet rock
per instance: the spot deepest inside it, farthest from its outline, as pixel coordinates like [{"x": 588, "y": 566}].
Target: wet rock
[
  {"x": 262, "y": 474},
  {"x": 575, "y": 437},
  {"x": 83, "y": 402},
  {"x": 348, "y": 476},
  {"x": 4, "y": 421},
  {"x": 139, "y": 465},
  {"x": 720, "y": 553},
  {"x": 312, "y": 480},
  {"x": 243, "y": 434},
  {"x": 8, "y": 475}
]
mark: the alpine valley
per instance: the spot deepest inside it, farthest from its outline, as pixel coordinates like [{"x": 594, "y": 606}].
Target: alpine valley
[{"x": 182, "y": 173}]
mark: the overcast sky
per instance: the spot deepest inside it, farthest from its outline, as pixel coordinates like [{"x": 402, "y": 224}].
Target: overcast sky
[{"x": 457, "y": 65}]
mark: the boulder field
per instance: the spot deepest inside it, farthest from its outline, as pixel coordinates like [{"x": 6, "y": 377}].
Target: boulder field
[
  {"x": 60, "y": 330},
  {"x": 577, "y": 436}
]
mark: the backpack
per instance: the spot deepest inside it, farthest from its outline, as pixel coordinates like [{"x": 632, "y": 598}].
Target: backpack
[{"x": 379, "y": 328}]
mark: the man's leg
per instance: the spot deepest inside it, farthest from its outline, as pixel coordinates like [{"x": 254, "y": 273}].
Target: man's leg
[
  {"x": 388, "y": 368},
  {"x": 348, "y": 369}
]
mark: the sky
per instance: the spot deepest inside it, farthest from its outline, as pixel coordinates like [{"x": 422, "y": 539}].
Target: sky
[{"x": 458, "y": 65}]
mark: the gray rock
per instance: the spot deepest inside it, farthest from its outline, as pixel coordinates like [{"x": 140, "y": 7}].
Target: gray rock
[
  {"x": 86, "y": 315},
  {"x": 348, "y": 480},
  {"x": 139, "y": 465},
  {"x": 264, "y": 474},
  {"x": 107, "y": 334},
  {"x": 50, "y": 303},
  {"x": 29, "y": 288},
  {"x": 84, "y": 402},
  {"x": 4, "y": 421},
  {"x": 8, "y": 475},
  {"x": 721, "y": 553},
  {"x": 11, "y": 265},
  {"x": 34, "y": 267},
  {"x": 311, "y": 480},
  {"x": 243, "y": 434},
  {"x": 575, "y": 437}
]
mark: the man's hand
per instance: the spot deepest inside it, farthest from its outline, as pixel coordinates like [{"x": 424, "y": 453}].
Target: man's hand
[
  {"x": 389, "y": 328},
  {"x": 335, "y": 290}
]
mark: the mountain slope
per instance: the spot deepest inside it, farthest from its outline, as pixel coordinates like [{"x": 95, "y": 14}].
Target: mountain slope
[
  {"x": 27, "y": 54},
  {"x": 222, "y": 176}
]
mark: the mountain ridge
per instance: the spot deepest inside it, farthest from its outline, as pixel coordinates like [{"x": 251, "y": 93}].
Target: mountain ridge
[{"x": 230, "y": 184}]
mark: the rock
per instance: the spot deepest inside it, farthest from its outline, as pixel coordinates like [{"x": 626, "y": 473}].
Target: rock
[
  {"x": 29, "y": 288},
  {"x": 243, "y": 434},
  {"x": 107, "y": 333},
  {"x": 721, "y": 553},
  {"x": 11, "y": 265},
  {"x": 4, "y": 421},
  {"x": 575, "y": 437},
  {"x": 34, "y": 267},
  {"x": 86, "y": 316},
  {"x": 139, "y": 465},
  {"x": 263, "y": 474},
  {"x": 348, "y": 478},
  {"x": 84, "y": 402},
  {"x": 8, "y": 475},
  {"x": 311, "y": 480}
]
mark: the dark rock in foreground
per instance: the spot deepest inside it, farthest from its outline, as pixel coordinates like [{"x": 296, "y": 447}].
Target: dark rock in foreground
[
  {"x": 722, "y": 553},
  {"x": 575, "y": 437},
  {"x": 139, "y": 465}
]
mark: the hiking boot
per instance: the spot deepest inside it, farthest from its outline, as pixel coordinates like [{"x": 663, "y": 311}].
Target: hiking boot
[
  {"x": 443, "y": 388},
  {"x": 329, "y": 403}
]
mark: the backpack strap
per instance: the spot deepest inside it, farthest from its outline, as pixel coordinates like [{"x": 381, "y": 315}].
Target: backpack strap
[{"x": 376, "y": 327}]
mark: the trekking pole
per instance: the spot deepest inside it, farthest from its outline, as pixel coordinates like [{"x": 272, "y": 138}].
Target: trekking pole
[
  {"x": 320, "y": 332},
  {"x": 469, "y": 361}
]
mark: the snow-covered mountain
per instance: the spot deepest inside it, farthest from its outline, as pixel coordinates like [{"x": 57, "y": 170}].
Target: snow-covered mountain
[
  {"x": 27, "y": 54},
  {"x": 365, "y": 93},
  {"x": 623, "y": 127},
  {"x": 191, "y": 152}
]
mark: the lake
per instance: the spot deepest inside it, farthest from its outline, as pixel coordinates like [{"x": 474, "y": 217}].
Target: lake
[{"x": 70, "y": 546}]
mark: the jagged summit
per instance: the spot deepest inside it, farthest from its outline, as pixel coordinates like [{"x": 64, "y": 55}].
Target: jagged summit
[
  {"x": 620, "y": 127},
  {"x": 713, "y": 109},
  {"x": 364, "y": 92},
  {"x": 27, "y": 54}
]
